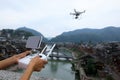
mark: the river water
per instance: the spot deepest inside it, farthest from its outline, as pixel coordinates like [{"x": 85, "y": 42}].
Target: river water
[{"x": 57, "y": 69}]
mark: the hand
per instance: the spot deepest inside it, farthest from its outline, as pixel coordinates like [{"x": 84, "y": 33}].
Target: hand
[
  {"x": 37, "y": 64},
  {"x": 12, "y": 60},
  {"x": 21, "y": 55}
]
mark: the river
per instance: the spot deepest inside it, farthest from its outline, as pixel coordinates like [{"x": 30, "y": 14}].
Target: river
[{"x": 57, "y": 69}]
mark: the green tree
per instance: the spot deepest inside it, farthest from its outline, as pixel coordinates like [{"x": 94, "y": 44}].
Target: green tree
[{"x": 90, "y": 67}]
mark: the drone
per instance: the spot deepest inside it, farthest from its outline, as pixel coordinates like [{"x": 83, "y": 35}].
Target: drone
[{"x": 77, "y": 13}]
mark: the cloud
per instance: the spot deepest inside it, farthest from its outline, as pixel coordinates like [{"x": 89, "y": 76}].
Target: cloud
[{"x": 53, "y": 15}]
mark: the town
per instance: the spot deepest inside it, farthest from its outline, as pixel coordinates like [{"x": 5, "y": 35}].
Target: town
[{"x": 90, "y": 61}]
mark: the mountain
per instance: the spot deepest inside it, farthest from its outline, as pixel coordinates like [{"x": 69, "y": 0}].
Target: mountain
[
  {"x": 110, "y": 33},
  {"x": 34, "y": 32},
  {"x": 15, "y": 34}
]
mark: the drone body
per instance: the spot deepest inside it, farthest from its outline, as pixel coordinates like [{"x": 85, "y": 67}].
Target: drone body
[{"x": 76, "y": 14}]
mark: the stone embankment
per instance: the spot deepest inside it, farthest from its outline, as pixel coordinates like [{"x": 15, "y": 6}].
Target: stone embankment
[{"x": 10, "y": 75}]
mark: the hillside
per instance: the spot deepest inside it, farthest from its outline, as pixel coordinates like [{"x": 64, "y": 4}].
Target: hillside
[
  {"x": 34, "y": 32},
  {"x": 17, "y": 34},
  {"x": 85, "y": 35}
]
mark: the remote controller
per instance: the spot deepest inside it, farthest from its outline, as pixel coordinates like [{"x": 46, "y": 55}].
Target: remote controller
[
  {"x": 43, "y": 55},
  {"x": 34, "y": 43}
]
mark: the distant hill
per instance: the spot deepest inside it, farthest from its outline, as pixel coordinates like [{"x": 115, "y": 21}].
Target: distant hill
[
  {"x": 15, "y": 34},
  {"x": 34, "y": 32},
  {"x": 110, "y": 33}
]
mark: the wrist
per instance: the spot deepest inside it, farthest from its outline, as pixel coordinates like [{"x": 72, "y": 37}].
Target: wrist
[
  {"x": 28, "y": 72},
  {"x": 31, "y": 66}
]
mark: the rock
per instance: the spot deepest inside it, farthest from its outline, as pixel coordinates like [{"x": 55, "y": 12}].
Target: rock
[{"x": 9, "y": 75}]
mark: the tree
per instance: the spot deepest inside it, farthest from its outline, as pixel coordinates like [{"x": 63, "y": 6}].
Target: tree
[{"x": 90, "y": 67}]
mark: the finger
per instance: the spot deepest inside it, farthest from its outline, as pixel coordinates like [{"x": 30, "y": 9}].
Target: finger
[
  {"x": 38, "y": 69},
  {"x": 45, "y": 62},
  {"x": 43, "y": 66},
  {"x": 28, "y": 52}
]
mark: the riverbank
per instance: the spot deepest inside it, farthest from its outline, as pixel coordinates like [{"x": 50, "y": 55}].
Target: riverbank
[{"x": 10, "y": 75}]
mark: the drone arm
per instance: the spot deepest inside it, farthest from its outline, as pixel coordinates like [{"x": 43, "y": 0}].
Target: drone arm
[
  {"x": 75, "y": 10},
  {"x": 72, "y": 14}
]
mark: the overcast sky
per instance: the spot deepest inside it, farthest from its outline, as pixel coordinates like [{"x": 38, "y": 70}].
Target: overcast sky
[{"x": 52, "y": 17}]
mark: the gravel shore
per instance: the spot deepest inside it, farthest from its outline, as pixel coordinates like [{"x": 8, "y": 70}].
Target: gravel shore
[{"x": 10, "y": 75}]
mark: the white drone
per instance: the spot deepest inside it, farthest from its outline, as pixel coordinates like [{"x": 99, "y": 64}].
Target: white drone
[{"x": 77, "y": 13}]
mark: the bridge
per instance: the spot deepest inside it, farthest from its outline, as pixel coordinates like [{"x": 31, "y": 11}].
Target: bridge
[{"x": 60, "y": 56}]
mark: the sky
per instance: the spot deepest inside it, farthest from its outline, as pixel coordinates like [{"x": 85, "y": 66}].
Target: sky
[{"x": 52, "y": 17}]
